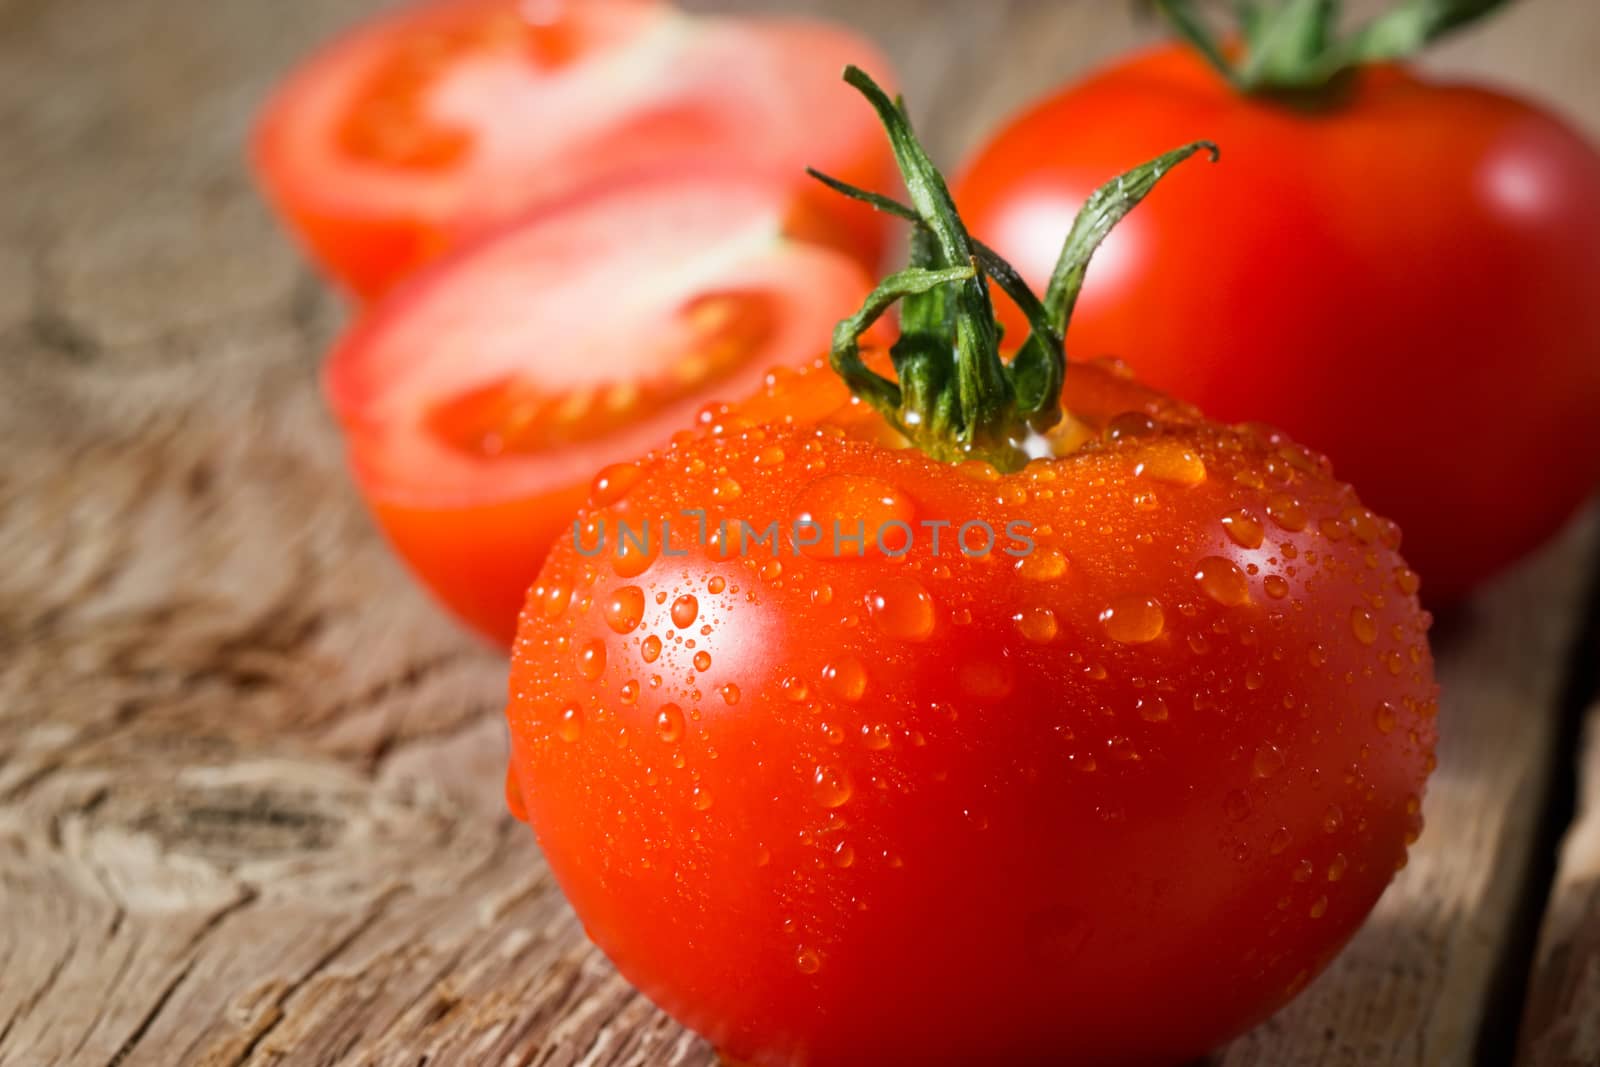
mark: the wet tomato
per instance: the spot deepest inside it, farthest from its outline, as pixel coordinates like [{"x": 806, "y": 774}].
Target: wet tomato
[
  {"x": 426, "y": 126},
  {"x": 478, "y": 400},
  {"x": 1396, "y": 274},
  {"x": 933, "y": 726}
]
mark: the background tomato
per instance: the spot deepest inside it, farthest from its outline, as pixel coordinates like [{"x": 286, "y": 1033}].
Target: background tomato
[
  {"x": 480, "y": 398},
  {"x": 430, "y": 124},
  {"x": 1403, "y": 277}
]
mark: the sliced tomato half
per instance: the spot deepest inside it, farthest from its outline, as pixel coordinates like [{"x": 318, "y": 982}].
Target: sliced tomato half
[
  {"x": 429, "y": 125},
  {"x": 481, "y": 398}
]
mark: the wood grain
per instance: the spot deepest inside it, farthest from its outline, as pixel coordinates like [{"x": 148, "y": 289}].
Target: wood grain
[
  {"x": 249, "y": 780},
  {"x": 1562, "y": 1025}
]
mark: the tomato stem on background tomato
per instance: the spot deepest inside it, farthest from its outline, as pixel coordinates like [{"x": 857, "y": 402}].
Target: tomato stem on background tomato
[
  {"x": 954, "y": 396},
  {"x": 1296, "y": 47}
]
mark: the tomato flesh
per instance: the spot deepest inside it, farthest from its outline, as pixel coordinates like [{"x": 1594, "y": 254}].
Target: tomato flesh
[
  {"x": 1403, "y": 279},
  {"x": 479, "y": 400},
  {"x": 428, "y": 126},
  {"x": 908, "y": 805}
]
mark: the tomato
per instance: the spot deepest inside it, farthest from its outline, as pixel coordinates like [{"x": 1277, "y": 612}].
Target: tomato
[
  {"x": 480, "y": 397},
  {"x": 430, "y": 124},
  {"x": 1402, "y": 277},
  {"x": 873, "y": 757}
]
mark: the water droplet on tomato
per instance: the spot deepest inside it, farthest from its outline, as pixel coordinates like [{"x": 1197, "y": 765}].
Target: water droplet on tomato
[
  {"x": 1243, "y": 528},
  {"x": 845, "y": 679},
  {"x": 1037, "y": 625},
  {"x": 612, "y": 484},
  {"x": 702, "y": 661},
  {"x": 650, "y": 648},
  {"x": 876, "y": 736},
  {"x": 1276, "y": 585},
  {"x": 1171, "y": 463},
  {"x": 592, "y": 659},
  {"x": 1386, "y": 717},
  {"x": 1223, "y": 581},
  {"x": 843, "y": 507},
  {"x": 1363, "y": 625},
  {"x": 553, "y": 599},
  {"x": 1129, "y": 424},
  {"x": 1152, "y": 709},
  {"x": 902, "y": 608},
  {"x": 685, "y": 610},
  {"x": 808, "y": 961},
  {"x": 1319, "y": 908},
  {"x": 1287, "y": 512},
  {"x": 700, "y": 797},
  {"x": 670, "y": 723},
  {"x": 1407, "y": 580},
  {"x": 569, "y": 724},
  {"x": 1337, "y": 868},
  {"x": 1133, "y": 620},
  {"x": 843, "y": 854},
  {"x": 831, "y": 786},
  {"x": 625, "y": 610},
  {"x": 1043, "y": 565},
  {"x": 1268, "y": 760},
  {"x": 1332, "y": 819},
  {"x": 730, "y": 694},
  {"x": 633, "y": 556}
]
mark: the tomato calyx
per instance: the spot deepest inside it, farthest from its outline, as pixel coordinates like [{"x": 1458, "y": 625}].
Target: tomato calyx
[
  {"x": 1295, "y": 50},
  {"x": 954, "y": 397}
]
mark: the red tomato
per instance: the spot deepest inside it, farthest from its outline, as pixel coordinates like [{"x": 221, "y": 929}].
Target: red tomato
[
  {"x": 430, "y": 124},
  {"x": 846, "y": 753},
  {"x": 479, "y": 399},
  {"x": 946, "y": 810},
  {"x": 1403, "y": 278}
]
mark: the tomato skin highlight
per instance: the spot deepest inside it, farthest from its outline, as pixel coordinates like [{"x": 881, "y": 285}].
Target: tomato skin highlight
[
  {"x": 435, "y": 123},
  {"x": 480, "y": 398},
  {"x": 934, "y": 809},
  {"x": 1398, "y": 279}
]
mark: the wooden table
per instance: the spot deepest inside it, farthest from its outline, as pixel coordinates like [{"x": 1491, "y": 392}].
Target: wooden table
[{"x": 249, "y": 781}]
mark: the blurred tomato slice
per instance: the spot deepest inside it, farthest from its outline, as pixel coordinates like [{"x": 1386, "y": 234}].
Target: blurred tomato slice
[
  {"x": 481, "y": 398},
  {"x": 435, "y": 122}
]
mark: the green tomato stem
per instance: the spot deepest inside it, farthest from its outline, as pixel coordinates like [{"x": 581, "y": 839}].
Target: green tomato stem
[
  {"x": 954, "y": 396},
  {"x": 1294, "y": 48}
]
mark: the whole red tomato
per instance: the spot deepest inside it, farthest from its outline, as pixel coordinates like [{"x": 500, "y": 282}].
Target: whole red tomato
[
  {"x": 479, "y": 398},
  {"x": 428, "y": 125},
  {"x": 992, "y": 761},
  {"x": 1400, "y": 272}
]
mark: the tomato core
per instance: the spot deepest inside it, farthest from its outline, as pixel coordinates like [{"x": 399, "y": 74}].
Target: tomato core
[{"x": 708, "y": 338}]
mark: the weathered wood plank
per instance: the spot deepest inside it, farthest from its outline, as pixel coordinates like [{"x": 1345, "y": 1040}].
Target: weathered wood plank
[
  {"x": 1561, "y": 1027},
  {"x": 249, "y": 782}
]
